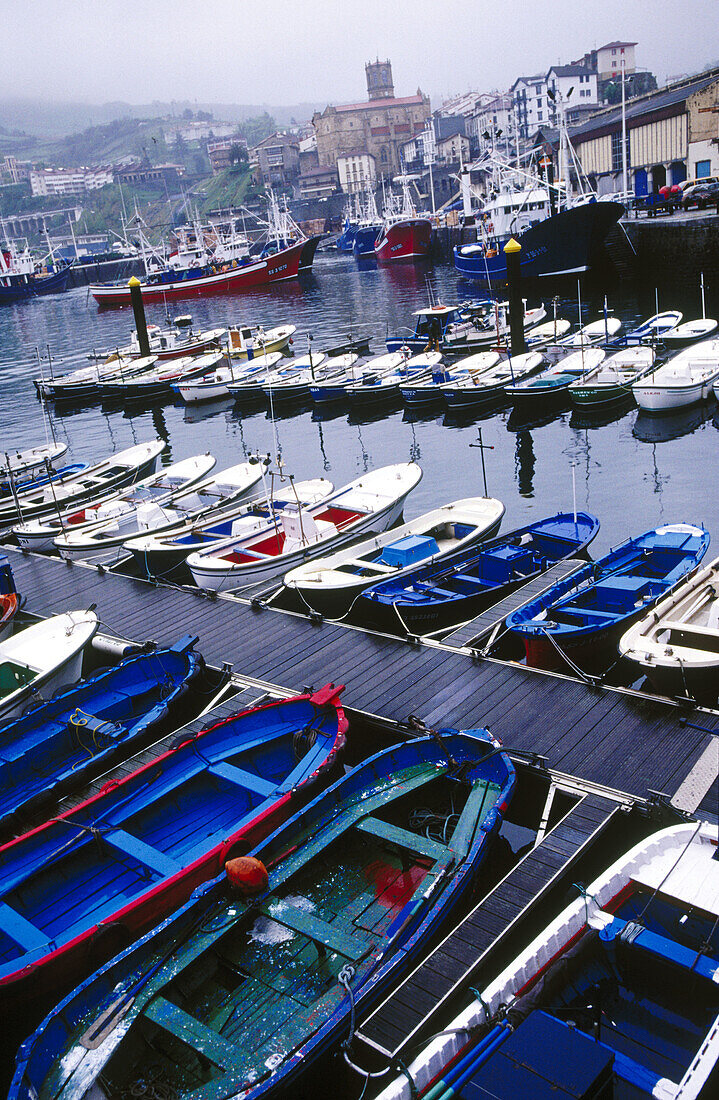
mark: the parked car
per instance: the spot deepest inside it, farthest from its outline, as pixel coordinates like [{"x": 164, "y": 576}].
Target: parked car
[{"x": 696, "y": 193}]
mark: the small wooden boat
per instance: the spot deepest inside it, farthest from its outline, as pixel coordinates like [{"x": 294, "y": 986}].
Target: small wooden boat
[
  {"x": 352, "y": 345},
  {"x": 654, "y": 327},
  {"x": 685, "y": 379},
  {"x": 612, "y": 380},
  {"x": 9, "y": 597},
  {"x": 371, "y": 503},
  {"x": 427, "y": 390},
  {"x": 216, "y": 384},
  {"x": 333, "y": 584},
  {"x": 490, "y": 385},
  {"x": 159, "y": 379},
  {"x": 170, "y": 343},
  {"x": 550, "y": 332},
  {"x": 676, "y": 646},
  {"x": 435, "y": 595},
  {"x": 596, "y": 332},
  {"x": 40, "y": 659},
  {"x": 35, "y": 479},
  {"x": 554, "y": 382},
  {"x": 245, "y": 342},
  {"x": 136, "y": 850},
  {"x": 86, "y": 382},
  {"x": 287, "y": 385},
  {"x": 163, "y": 555},
  {"x": 689, "y": 331},
  {"x": 39, "y": 534},
  {"x": 242, "y": 994},
  {"x": 334, "y": 387},
  {"x": 19, "y": 463},
  {"x": 486, "y": 325},
  {"x": 253, "y": 381},
  {"x": 583, "y": 615},
  {"x": 373, "y": 388},
  {"x": 123, "y": 468},
  {"x": 617, "y": 996},
  {"x": 55, "y": 747}
]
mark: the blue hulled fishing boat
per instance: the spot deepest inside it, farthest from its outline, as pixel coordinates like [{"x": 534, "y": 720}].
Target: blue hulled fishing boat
[
  {"x": 93, "y": 879},
  {"x": 583, "y": 615},
  {"x": 442, "y": 594},
  {"x": 239, "y": 995},
  {"x": 53, "y": 748}
]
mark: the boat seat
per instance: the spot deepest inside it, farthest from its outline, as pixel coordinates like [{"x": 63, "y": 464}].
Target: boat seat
[
  {"x": 191, "y": 1031},
  {"x": 242, "y": 778},
  {"x": 433, "y": 590},
  {"x": 466, "y": 578},
  {"x": 153, "y": 858},
  {"x": 403, "y": 838},
  {"x": 321, "y": 932},
  {"x": 480, "y": 801},
  {"x": 19, "y": 930}
]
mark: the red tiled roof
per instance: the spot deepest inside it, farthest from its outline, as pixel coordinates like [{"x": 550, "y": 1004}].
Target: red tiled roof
[{"x": 370, "y": 105}]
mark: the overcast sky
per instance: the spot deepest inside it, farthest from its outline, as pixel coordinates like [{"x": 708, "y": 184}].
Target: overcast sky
[{"x": 289, "y": 51}]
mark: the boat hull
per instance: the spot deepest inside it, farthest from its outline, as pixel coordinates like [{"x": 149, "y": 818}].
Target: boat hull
[
  {"x": 660, "y": 399},
  {"x": 567, "y": 243},
  {"x": 405, "y": 240},
  {"x": 283, "y": 265},
  {"x": 35, "y": 286}
]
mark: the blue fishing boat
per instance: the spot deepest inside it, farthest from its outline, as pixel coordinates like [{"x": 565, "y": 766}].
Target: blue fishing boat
[
  {"x": 430, "y": 327},
  {"x": 240, "y": 995},
  {"x": 442, "y": 594},
  {"x": 99, "y": 875},
  {"x": 364, "y": 240},
  {"x": 583, "y": 615},
  {"x": 345, "y": 241},
  {"x": 55, "y": 747}
]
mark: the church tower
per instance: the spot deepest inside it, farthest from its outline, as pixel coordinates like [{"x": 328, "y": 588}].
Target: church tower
[{"x": 379, "y": 79}]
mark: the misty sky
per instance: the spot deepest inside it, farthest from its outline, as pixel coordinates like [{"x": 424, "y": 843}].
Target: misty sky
[{"x": 289, "y": 51}]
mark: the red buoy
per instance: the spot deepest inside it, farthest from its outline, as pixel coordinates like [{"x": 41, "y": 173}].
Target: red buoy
[{"x": 247, "y": 875}]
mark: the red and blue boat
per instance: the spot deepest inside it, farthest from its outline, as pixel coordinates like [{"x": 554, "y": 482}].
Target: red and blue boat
[
  {"x": 88, "y": 882},
  {"x": 404, "y": 235},
  {"x": 578, "y": 620},
  {"x": 239, "y": 995}
]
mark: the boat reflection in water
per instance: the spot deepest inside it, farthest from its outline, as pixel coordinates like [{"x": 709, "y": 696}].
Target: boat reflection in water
[
  {"x": 661, "y": 429},
  {"x": 520, "y": 419},
  {"x": 601, "y": 416}
]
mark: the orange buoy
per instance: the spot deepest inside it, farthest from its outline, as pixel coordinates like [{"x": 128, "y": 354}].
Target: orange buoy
[{"x": 247, "y": 875}]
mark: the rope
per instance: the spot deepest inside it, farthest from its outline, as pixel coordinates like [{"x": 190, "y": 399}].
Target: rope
[
  {"x": 582, "y": 675},
  {"x": 671, "y": 870}
]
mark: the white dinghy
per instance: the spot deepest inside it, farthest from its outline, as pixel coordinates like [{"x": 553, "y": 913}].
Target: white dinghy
[
  {"x": 331, "y": 584},
  {"x": 39, "y": 534},
  {"x": 39, "y": 660},
  {"x": 371, "y": 503},
  {"x": 21, "y": 462},
  {"x": 676, "y": 645},
  {"x": 216, "y": 384},
  {"x": 683, "y": 380},
  {"x": 105, "y": 541}
]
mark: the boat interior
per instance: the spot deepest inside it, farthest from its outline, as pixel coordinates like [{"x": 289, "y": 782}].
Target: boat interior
[
  {"x": 255, "y": 989},
  {"x": 111, "y": 852}
]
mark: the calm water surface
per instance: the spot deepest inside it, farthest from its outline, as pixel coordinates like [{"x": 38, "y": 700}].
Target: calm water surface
[{"x": 631, "y": 470}]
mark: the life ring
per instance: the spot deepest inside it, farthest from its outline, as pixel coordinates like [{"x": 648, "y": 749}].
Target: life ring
[
  {"x": 491, "y": 253},
  {"x": 490, "y": 227}
]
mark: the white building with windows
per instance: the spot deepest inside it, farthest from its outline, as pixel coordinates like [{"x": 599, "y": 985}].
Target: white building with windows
[
  {"x": 356, "y": 172},
  {"x": 614, "y": 57},
  {"x": 69, "y": 181},
  {"x": 574, "y": 85},
  {"x": 529, "y": 98}
]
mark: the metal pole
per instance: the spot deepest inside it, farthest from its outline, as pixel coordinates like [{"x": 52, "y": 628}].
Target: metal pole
[
  {"x": 625, "y": 185},
  {"x": 138, "y": 308}
]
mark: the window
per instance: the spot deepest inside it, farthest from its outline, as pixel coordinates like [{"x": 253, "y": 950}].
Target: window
[
  {"x": 703, "y": 169},
  {"x": 613, "y": 52},
  {"x": 617, "y": 151}
]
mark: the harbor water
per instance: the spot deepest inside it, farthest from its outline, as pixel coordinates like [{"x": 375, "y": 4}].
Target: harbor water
[{"x": 632, "y": 470}]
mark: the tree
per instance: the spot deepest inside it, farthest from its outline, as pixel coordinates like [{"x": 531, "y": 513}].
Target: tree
[
  {"x": 238, "y": 154},
  {"x": 187, "y": 113}
]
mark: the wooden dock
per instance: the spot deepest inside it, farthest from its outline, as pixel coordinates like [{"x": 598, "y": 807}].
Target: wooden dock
[{"x": 604, "y": 736}]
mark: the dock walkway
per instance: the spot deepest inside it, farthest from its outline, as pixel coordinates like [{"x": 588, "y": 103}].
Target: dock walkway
[{"x": 604, "y": 736}]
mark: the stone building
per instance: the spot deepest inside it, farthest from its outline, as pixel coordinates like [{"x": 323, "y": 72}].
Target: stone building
[{"x": 377, "y": 128}]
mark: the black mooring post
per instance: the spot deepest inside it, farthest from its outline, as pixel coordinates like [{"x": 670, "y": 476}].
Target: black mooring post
[
  {"x": 138, "y": 309},
  {"x": 512, "y": 251}
]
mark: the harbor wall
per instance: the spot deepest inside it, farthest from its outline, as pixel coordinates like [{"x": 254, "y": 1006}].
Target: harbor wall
[{"x": 675, "y": 241}]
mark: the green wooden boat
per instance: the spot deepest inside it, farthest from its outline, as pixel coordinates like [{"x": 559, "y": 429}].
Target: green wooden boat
[
  {"x": 612, "y": 380},
  {"x": 237, "y": 996}
]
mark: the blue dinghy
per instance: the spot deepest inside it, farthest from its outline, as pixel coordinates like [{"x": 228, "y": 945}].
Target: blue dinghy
[
  {"x": 584, "y": 614},
  {"x": 240, "y": 995},
  {"x": 441, "y": 594},
  {"x": 52, "y": 749},
  {"x": 75, "y": 890}
]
